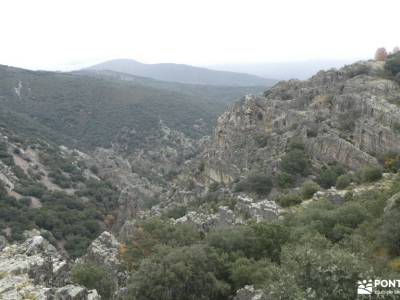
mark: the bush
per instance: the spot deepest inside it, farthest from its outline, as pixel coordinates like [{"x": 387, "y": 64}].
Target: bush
[
  {"x": 261, "y": 184},
  {"x": 94, "y": 277},
  {"x": 288, "y": 200},
  {"x": 151, "y": 233},
  {"x": 284, "y": 180},
  {"x": 94, "y": 169},
  {"x": 391, "y": 161},
  {"x": 327, "y": 178},
  {"x": 194, "y": 272},
  {"x": 371, "y": 174},
  {"x": 246, "y": 271},
  {"x": 257, "y": 241},
  {"x": 323, "y": 273},
  {"x": 397, "y": 78},
  {"x": 296, "y": 162},
  {"x": 390, "y": 232},
  {"x": 262, "y": 140},
  {"x": 346, "y": 121},
  {"x": 176, "y": 212},
  {"x": 309, "y": 188},
  {"x": 392, "y": 64},
  {"x": 343, "y": 181}
]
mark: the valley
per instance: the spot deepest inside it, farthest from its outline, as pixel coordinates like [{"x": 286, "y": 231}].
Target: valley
[{"x": 116, "y": 186}]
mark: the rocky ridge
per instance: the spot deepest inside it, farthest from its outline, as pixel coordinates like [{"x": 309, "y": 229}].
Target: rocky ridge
[{"x": 347, "y": 116}]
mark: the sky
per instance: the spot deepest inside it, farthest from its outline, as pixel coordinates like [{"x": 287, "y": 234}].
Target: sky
[{"x": 69, "y": 34}]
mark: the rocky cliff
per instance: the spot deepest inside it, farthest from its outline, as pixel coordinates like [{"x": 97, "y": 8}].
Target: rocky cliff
[{"x": 349, "y": 116}]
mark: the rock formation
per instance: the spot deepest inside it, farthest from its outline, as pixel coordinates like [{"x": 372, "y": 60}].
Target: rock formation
[
  {"x": 346, "y": 116},
  {"x": 35, "y": 270}
]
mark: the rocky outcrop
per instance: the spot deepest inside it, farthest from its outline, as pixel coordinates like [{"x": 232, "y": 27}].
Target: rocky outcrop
[
  {"x": 103, "y": 251},
  {"x": 264, "y": 210},
  {"x": 71, "y": 292},
  {"x": 346, "y": 116},
  {"x": 245, "y": 209},
  {"x": 248, "y": 293},
  {"x": 35, "y": 270}
]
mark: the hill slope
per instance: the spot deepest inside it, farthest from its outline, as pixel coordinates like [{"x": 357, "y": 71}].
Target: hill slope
[
  {"x": 181, "y": 73},
  {"x": 89, "y": 111}
]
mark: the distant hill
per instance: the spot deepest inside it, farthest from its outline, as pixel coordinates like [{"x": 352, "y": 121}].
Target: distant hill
[
  {"x": 87, "y": 111},
  {"x": 284, "y": 70},
  {"x": 182, "y": 73},
  {"x": 216, "y": 93}
]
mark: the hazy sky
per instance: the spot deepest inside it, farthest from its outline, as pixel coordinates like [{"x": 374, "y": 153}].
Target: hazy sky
[{"x": 63, "y": 34}]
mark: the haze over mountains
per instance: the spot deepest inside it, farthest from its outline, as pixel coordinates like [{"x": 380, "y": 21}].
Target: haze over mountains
[
  {"x": 285, "y": 70},
  {"x": 182, "y": 73}
]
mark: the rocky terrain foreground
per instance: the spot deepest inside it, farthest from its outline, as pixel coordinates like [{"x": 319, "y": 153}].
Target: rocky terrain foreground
[{"x": 35, "y": 270}]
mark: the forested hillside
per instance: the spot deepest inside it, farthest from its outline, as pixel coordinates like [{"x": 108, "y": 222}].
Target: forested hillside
[{"x": 88, "y": 111}]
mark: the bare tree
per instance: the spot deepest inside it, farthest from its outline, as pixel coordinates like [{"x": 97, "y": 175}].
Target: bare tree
[
  {"x": 396, "y": 50},
  {"x": 381, "y": 54}
]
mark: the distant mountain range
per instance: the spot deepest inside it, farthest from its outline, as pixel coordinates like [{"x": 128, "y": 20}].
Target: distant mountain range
[
  {"x": 182, "y": 73},
  {"x": 284, "y": 70}
]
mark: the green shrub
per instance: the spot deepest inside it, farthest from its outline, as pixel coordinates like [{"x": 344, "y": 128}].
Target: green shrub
[
  {"x": 343, "y": 181},
  {"x": 390, "y": 232},
  {"x": 155, "y": 232},
  {"x": 94, "y": 169},
  {"x": 194, "y": 272},
  {"x": 397, "y": 78},
  {"x": 324, "y": 273},
  {"x": 358, "y": 69},
  {"x": 95, "y": 277},
  {"x": 176, "y": 212},
  {"x": 371, "y": 174},
  {"x": 346, "y": 121},
  {"x": 284, "y": 180},
  {"x": 213, "y": 187},
  {"x": 257, "y": 241},
  {"x": 296, "y": 162},
  {"x": 246, "y": 271},
  {"x": 5, "y": 157},
  {"x": 288, "y": 200},
  {"x": 309, "y": 188},
  {"x": 261, "y": 184},
  {"x": 327, "y": 178},
  {"x": 392, "y": 64},
  {"x": 391, "y": 161},
  {"x": 262, "y": 139}
]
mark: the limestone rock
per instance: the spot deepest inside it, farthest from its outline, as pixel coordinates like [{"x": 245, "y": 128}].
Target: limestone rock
[
  {"x": 264, "y": 210},
  {"x": 30, "y": 269},
  {"x": 71, "y": 292},
  {"x": 103, "y": 251},
  {"x": 248, "y": 293}
]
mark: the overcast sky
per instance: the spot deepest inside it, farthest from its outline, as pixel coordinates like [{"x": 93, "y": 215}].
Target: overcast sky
[{"x": 64, "y": 34}]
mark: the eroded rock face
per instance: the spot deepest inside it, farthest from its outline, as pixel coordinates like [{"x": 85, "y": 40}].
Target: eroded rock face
[{"x": 344, "y": 116}]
